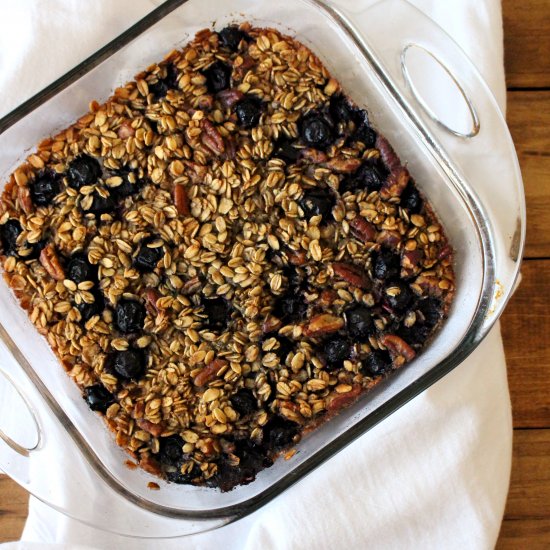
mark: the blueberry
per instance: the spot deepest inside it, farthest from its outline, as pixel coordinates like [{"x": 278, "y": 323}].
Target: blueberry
[
  {"x": 101, "y": 205},
  {"x": 9, "y": 232},
  {"x": 386, "y": 265},
  {"x": 98, "y": 398},
  {"x": 411, "y": 199},
  {"x": 83, "y": 170},
  {"x": 336, "y": 350},
  {"x": 87, "y": 311},
  {"x": 147, "y": 258},
  {"x": 218, "y": 313},
  {"x": 130, "y": 184},
  {"x": 416, "y": 335},
  {"x": 293, "y": 277},
  {"x": 317, "y": 202},
  {"x": 244, "y": 402},
  {"x": 364, "y": 133},
  {"x": 290, "y": 307},
  {"x": 45, "y": 188},
  {"x": 231, "y": 37},
  {"x": 129, "y": 364},
  {"x": 218, "y": 77},
  {"x": 431, "y": 311},
  {"x": 340, "y": 109},
  {"x": 79, "y": 269},
  {"x": 285, "y": 150},
  {"x": 359, "y": 322},
  {"x": 316, "y": 132},
  {"x": 249, "y": 111},
  {"x": 129, "y": 316},
  {"x": 181, "y": 479},
  {"x": 171, "y": 450},
  {"x": 35, "y": 250},
  {"x": 160, "y": 88},
  {"x": 398, "y": 296},
  {"x": 279, "y": 433},
  {"x": 377, "y": 362},
  {"x": 372, "y": 175},
  {"x": 284, "y": 347}
]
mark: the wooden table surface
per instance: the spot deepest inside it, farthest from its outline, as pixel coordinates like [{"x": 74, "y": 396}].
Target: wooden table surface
[{"x": 526, "y": 323}]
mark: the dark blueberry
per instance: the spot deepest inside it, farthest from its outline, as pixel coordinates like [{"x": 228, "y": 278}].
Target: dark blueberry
[
  {"x": 290, "y": 307},
  {"x": 249, "y": 111},
  {"x": 431, "y": 311},
  {"x": 244, "y": 402},
  {"x": 336, "y": 350},
  {"x": 80, "y": 269},
  {"x": 160, "y": 88},
  {"x": 416, "y": 335},
  {"x": 218, "y": 77},
  {"x": 377, "y": 362},
  {"x": 129, "y": 364},
  {"x": 279, "y": 433},
  {"x": 284, "y": 347},
  {"x": 286, "y": 151},
  {"x": 176, "y": 476},
  {"x": 252, "y": 459},
  {"x": 386, "y": 265},
  {"x": 231, "y": 37},
  {"x": 101, "y": 205},
  {"x": 147, "y": 258},
  {"x": 35, "y": 250},
  {"x": 340, "y": 109},
  {"x": 9, "y": 232},
  {"x": 130, "y": 184},
  {"x": 87, "y": 311},
  {"x": 129, "y": 316},
  {"x": 411, "y": 199},
  {"x": 364, "y": 132},
  {"x": 45, "y": 188},
  {"x": 359, "y": 322},
  {"x": 293, "y": 276},
  {"x": 98, "y": 398},
  {"x": 398, "y": 296},
  {"x": 316, "y": 132},
  {"x": 218, "y": 313},
  {"x": 317, "y": 202},
  {"x": 83, "y": 170},
  {"x": 170, "y": 450},
  {"x": 371, "y": 175}
]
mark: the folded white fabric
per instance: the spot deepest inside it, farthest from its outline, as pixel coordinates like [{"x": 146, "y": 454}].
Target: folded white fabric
[{"x": 433, "y": 475}]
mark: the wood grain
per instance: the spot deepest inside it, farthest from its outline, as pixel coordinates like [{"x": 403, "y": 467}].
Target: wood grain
[
  {"x": 527, "y": 43},
  {"x": 13, "y": 509},
  {"x": 529, "y": 121}
]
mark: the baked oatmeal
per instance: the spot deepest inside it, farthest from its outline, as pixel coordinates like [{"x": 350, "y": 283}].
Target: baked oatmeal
[{"x": 224, "y": 254}]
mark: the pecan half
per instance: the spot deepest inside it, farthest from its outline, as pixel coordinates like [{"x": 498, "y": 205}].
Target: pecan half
[
  {"x": 397, "y": 346},
  {"x": 230, "y": 148},
  {"x": 24, "y": 196},
  {"x": 322, "y": 324},
  {"x": 343, "y": 165},
  {"x": 388, "y": 238},
  {"x": 314, "y": 156},
  {"x": 209, "y": 372},
  {"x": 50, "y": 262},
  {"x": 229, "y": 97},
  {"x": 410, "y": 261},
  {"x": 151, "y": 297},
  {"x": 362, "y": 229},
  {"x": 211, "y": 138},
  {"x": 395, "y": 183},
  {"x": 297, "y": 257},
  {"x": 391, "y": 160},
  {"x": 337, "y": 401},
  {"x": 352, "y": 274},
  {"x": 149, "y": 427},
  {"x": 328, "y": 296},
  {"x": 181, "y": 200}
]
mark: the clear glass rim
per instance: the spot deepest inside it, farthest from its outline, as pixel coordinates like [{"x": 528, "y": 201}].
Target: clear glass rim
[{"x": 478, "y": 329}]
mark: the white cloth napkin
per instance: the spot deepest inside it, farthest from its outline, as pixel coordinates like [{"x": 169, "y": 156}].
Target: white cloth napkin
[{"x": 435, "y": 474}]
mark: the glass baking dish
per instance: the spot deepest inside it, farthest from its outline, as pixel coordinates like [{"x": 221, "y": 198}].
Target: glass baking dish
[{"x": 456, "y": 172}]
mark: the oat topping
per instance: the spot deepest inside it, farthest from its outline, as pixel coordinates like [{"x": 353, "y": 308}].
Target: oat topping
[{"x": 223, "y": 255}]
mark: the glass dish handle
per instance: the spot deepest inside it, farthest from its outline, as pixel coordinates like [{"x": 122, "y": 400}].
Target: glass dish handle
[{"x": 475, "y": 147}]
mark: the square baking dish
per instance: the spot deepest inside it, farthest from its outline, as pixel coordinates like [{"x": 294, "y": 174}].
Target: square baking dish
[{"x": 485, "y": 229}]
